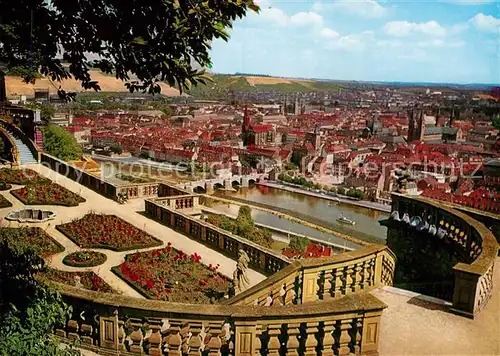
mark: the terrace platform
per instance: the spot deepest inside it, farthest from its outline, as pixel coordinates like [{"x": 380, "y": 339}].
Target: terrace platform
[{"x": 413, "y": 326}]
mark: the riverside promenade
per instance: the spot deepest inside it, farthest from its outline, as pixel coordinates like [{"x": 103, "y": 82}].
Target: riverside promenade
[{"x": 385, "y": 208}]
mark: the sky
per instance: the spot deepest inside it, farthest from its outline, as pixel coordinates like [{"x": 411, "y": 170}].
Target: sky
[{"x": 445, "y": 41}]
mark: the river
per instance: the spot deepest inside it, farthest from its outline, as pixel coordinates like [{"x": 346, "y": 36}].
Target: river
[{"x": 366, "y": 219}]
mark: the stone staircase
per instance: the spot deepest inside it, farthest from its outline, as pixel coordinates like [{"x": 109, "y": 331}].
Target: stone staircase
[{"x": 25, "y": 155}]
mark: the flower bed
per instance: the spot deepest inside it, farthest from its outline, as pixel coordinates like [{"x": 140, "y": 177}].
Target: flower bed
[
  {"x": 88, "y": 280},
  {"x": 107, "y": 231},
  {"x": 47, "y": 193},
  {"x": 85, "y": 259},
  {"x": 169, "y": 274},
  {"x": 20, "y": 176},
  {"x": 4, "y": 202},
  {"x": 5, "y": 186},
  {"x": 32, "y": 236}
]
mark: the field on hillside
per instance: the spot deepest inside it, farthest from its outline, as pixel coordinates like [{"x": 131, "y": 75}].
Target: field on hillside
[
  {"x": 16, "y": 87},
  {"x": 223, "y": 83}
]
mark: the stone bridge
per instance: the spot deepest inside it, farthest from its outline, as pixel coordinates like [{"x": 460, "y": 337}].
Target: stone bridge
[{"x": 209, "y": 185}]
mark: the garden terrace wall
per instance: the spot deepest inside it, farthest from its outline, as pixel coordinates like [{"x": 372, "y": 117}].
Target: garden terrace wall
[
  {"x": 81, "y": 177},
  {"x": 310, "y": 280},
  {"x": 167, "y": 190},
  {"x": 261, "y": 259},
  {"x": 120, "y": 325},
  {"x": 473, "y": 283},
  {"x": 139, "y": 190}
]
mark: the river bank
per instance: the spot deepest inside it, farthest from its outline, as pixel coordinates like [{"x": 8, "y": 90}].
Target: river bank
[
  {"x": 385, "y": 208},
  {"x": 301, "y": 218}
]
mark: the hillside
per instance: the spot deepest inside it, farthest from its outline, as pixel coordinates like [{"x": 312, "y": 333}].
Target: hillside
[
  {"x": 16, "y": 87},
  {"x": 223, "y": 83}
]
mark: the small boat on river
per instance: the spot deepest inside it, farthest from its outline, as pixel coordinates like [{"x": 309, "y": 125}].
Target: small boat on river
[{"x": 345, "y": 220}]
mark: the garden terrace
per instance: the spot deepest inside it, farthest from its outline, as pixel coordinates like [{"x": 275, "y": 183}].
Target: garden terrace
[
  {"x": 466, "y": 251},
  {"x": 32, "y": 236},
  {"x": 4, "y": 202},
  {"x": 261, "y": 258},
  {"x": 20, "y": 176},
  {"x": 47, "y": 193},
  {"x": 88, "y": 280},
  {"x": 107, "y": 231},
  {"x": 170, "y": 274}
]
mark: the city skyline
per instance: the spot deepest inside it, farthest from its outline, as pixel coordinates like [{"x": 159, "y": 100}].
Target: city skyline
[{"x": 449, "y": 41}]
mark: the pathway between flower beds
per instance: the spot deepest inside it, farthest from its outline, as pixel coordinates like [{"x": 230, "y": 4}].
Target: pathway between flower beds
[{"x": 128, "y": 212}]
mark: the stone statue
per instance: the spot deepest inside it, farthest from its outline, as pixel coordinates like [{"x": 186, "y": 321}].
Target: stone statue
[{"x": 240, "y": 279}]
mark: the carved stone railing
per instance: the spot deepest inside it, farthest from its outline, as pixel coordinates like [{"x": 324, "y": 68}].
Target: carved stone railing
[
  {"x": 118, "y": 325},
  {"x": 32, "y": 146},
  {"x": 11, "y": 147},
  {"x": 310, "y": 280},
  {"x": 477, "y": 247},
  {"x": 139, "y": 190}
]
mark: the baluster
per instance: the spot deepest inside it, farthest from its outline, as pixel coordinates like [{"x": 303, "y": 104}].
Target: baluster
[
  {"x": 358, "y": 283},
  {"x": 328, "y": 339},
  {"x": 215, "y": 343},
  {"x": 136, "y": 337},
  {"x": 311, "y": 341},
  {"x": 195, "y": 340},
  {"x": 293, "y": 340},
  {"x": 344, "y": 339},
  {"x": 274, "y": 345},
  {"x": 356, "y": 329},
  {"x": 290, "y": 293},
  {"x": 155, "y": 339},
  {"x": 338, "y": 291},
  {"x": 258, "y": 342},
  {"x": 367, "y": 281},
  {"x": 350, "y": 281},
  {"x": 185, "y": 338},
  {"x": 174, "y": 339},
  {"x": 327, "y": 284}
]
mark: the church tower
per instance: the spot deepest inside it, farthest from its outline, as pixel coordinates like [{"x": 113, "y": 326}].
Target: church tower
[
  {"x": 246, "y": 129},
  {"x": 411, "y": 127}
]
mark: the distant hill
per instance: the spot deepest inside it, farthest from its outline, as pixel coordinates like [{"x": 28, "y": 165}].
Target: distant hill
[
  {"x": 16, "y": 87},
  {"x": 222, "y": 83}
]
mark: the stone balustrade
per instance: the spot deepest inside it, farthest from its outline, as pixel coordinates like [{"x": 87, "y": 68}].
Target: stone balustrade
[
  {"x": 310, "y": 280},
  {"x": 10, "y": 147},
  {"x": 35, "y": 151},
  {"x": 138, "y": 190},
  {"x": 118, "y": 325},
  {"x": 471, "y": 243}
]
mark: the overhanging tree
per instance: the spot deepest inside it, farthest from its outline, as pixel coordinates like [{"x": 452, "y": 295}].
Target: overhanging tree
[
  {"x": 61, "y": 144},
  {"x": 141, "y": 42}
]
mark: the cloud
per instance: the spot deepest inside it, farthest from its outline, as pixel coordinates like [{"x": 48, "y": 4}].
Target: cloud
[
  {"x": 486, "y": 23},
  {"x": 470, "y": 2},
  {"x": 353, "y": 42},
  {"x": 329, "y": 34},
  {"x": 306, "y": 19},
  {"x": 363, "y": 8},
  {"x": 438, "y": 43},
  {"x": 274, "y": 15},
  {"x": 405, "y": 28}
]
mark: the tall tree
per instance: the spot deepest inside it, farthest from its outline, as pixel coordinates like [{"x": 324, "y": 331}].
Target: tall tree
[
  {"x": 141, "y": 42},
  {"x": 60, "y": 143}
]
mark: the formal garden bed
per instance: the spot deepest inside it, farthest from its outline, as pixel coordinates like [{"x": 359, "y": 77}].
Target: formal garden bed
[
  {"x": 85, "y": 259},
  {"x": 107, "y": 231},
  {"x": 87, "y": 280},
  {"x": 32, "y": 236},
  {"x": 4, "y": 202},
  {"x": 20, "y": 176},
  {"x": 170, "y": 274},
  {"x": 5, "y": 186},
  {"x": 47, "y": 193}
]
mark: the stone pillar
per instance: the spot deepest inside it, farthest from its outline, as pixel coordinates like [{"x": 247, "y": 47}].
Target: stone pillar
[
  {"x": 370, "y": 333},
  {"x": 244, "y": 182},
  {"x": 209, "y": 187},
  {"x": 109, "y": 332},
  {"x": 245, "y": 335},
  {"x": 228, "y": 185},
  {"x": 465, "y": 292},
  {"x": 310, "y": 286}
]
